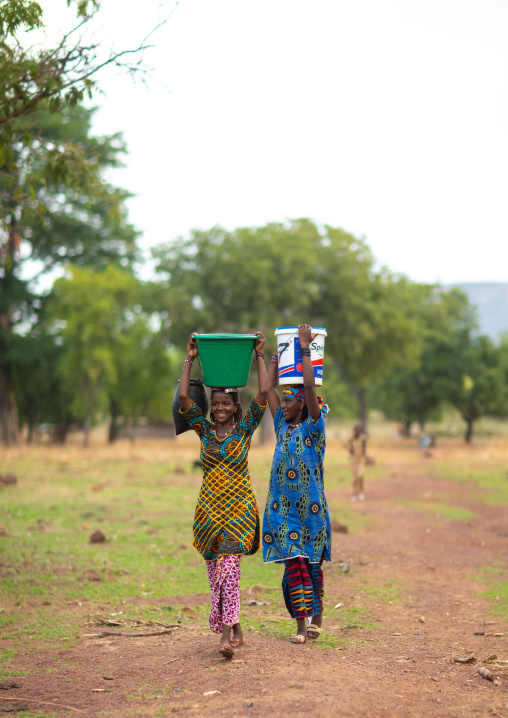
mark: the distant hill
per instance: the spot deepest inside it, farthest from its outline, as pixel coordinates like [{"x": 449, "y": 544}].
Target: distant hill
[{"x": 491, "y": 300}]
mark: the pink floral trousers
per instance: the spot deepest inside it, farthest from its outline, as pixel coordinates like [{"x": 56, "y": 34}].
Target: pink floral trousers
[{"x": 224, "y": 578}]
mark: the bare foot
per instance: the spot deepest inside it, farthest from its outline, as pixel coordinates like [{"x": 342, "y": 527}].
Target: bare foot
[
  {"x": 237, "y": 638},
  {"x": 225, "y": 648}
]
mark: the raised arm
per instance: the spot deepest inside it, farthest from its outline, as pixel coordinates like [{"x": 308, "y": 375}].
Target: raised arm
[
  {"x": 183, "y": 389},
  {"x": 309, "y": 382},
  {"x": 273, "y": 394},
  {"x": 262, "y": 376}
]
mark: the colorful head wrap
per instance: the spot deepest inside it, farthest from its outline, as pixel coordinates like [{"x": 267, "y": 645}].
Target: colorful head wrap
[
  {"x": 298, "y": 391},
  {"x": 323, "y": 407}
]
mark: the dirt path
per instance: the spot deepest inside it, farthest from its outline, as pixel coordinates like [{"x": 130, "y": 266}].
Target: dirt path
[{"x": 399, "y": 666}]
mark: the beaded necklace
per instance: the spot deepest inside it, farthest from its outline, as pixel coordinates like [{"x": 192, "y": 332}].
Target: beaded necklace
[
  {"x": 221, "y": 438},
  {"x": 293, "y": 427}
]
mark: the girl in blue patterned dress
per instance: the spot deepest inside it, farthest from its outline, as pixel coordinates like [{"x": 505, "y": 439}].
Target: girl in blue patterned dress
[{"x": 296, "y": 523}]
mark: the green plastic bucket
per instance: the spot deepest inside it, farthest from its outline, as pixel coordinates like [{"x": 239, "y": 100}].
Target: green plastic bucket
[{"x": 225, "y": 358}]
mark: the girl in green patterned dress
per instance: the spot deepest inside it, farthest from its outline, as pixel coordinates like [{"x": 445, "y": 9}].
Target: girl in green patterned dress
[{"x": 226, "y": 522}]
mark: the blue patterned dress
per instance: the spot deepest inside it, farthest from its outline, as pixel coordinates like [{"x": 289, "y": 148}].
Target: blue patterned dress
[{"x": 296, "y": 520}]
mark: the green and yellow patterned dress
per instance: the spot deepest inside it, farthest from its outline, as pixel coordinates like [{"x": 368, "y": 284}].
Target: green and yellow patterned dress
[{"x": 226, "y": 520}]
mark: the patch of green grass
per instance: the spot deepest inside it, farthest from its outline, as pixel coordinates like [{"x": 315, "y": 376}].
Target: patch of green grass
[
  {"x": 359, "y": 610},
  {"x": 146, "y": 510},
  {"x": 6, "y": 620},
  {"x": 147, "y": 521},
  {"x": 39, "y": 629},
  {"x": 4, "y": 672},
  {"x": 7, "y": 654},
  {"x": 496, "y": 579},
  {"x": 356, "y": 521},
  {"x": 148, "y": 692},
  {"x": 440, "y": 511},
  {"x": 282, "y": 626},
  {"x": 343, "y": 627},
  {"x": 498, "y": 592},
  {"x": 493, "y": 481},
  {"x": 126, "y": 712},
  {"x": 391, "y": 592}
]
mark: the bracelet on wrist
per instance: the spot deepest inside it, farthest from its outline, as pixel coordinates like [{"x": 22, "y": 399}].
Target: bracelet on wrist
[
  {"x": 274, "y": 359},
  {"x": 188, "y": 361},
  {"x": 305, "y": 352},
  {"x": 260, "y": 354}
]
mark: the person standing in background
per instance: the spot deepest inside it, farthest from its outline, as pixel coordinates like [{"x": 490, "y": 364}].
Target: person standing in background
[{"x": 357, "y": 447}]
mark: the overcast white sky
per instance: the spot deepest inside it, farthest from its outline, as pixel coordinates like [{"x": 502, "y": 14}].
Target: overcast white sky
[{"x": 388, "y": 118}]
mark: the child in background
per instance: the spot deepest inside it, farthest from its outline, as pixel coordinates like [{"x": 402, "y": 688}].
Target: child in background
[{"x": 357, "y": 447}]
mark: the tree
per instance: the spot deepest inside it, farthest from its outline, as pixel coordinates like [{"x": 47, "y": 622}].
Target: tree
[
  {"x": 284, "y": 274},
  {"x": 111, "y": 355},
  {"x": 146, "y": 376},
  {"x": 456, "y": 366},
  {"x": 445, "y": 320},
  {"x": 29, "y": 77},
  {"x": 41, "y": 395},
  {"x": 94, "y": 309},
  {"x": 479, "y": 386},
  {"x": 57, "y": 77},
  {"x": 366, "y": 313},
  {"x": 239, "y": 281},
  {"x": 85, "y": 227},
  {"x": 38, "y": 158}
]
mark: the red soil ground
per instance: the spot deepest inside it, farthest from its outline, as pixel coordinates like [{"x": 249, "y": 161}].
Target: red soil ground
[{"x": 402, "y": 667}]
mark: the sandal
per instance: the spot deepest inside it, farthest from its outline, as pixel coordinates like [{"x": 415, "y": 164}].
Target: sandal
[
  {"x": 313, "y": 631},
  {"x": 235, "y": 642},
  {"x": 297, "y": 639},
  {"x": 226, "y": 650}
]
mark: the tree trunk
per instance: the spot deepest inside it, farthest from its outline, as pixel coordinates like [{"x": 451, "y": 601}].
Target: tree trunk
[
  {"x": 407, "y": 428},
  {"x": 134, "y": 424},
  {"x": 362, "y": 406},
  {"x": 114, "y": 408},
  {"x": 31, "y": 421},
  {"x": 87, "y": 428},
  {"x": 9, "y": 424},
  {"x": 469, "y": 431},
  {"x": 361, "y": 397},
  {"x": 90, "y": 413},
  {"x": 60, "y": 431}
]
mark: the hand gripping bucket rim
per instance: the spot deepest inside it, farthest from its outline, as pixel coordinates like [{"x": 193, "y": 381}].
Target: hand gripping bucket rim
[{"x": 290, "y": 358}]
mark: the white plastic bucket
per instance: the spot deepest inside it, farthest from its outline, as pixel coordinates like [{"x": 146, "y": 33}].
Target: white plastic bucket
[{"x": 290, "y": 355}]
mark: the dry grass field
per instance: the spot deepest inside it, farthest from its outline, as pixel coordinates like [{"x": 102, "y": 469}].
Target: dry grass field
[{"x": 416, "y": 587}]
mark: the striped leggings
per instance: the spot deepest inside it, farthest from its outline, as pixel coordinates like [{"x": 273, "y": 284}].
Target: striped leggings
[{"x": 303, "y": 587}]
